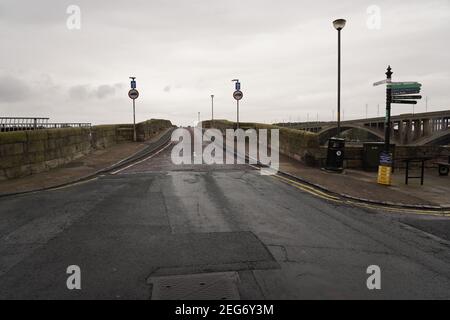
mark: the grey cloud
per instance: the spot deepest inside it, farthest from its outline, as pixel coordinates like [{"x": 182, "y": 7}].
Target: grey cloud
[
  {"x": 13, "y": 89},
  {"x": 28, "y": 13},
  {"x": 79, "y": 92},
  {"x": 104, "y": 91},
  {"x": 83, "y": 92},
  {"x": 167, "y": 89}
]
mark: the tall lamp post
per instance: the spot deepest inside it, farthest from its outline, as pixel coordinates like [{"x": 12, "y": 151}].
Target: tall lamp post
[
  {"x": 212, "y": 110},
  {"x": 336, "y": 145},
  {"x": 339, "y": 24}
]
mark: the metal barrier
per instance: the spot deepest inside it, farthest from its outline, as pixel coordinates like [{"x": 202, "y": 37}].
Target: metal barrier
[{"x": 30, "y": 123}]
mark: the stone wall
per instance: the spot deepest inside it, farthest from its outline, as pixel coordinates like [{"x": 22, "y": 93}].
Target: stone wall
[
  {"x": 148, "y": 129},
  {"x": 27, "y": 152}
]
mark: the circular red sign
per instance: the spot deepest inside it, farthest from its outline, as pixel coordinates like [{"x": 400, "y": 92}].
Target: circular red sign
[
  {"x": 238, "y": 95},
  {"x": 133, "y": 94}
]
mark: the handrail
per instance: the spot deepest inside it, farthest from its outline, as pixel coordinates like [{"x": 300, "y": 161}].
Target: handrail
[{"x": 35, "y": 123}]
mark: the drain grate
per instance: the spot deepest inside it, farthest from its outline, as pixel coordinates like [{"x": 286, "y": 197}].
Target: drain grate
[{"x": 204, "y": 286}]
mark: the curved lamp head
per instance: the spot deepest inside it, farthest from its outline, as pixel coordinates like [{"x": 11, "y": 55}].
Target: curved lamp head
[{"x": 339, "y": 24}]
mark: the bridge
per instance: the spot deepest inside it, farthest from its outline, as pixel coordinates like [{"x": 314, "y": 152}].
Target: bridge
[{"x": 407, "y": 129}]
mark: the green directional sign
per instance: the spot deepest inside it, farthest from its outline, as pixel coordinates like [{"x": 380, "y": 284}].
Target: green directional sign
[
  {"x": 397, "y": 84},
  {"x": 395, "y": 92},
  {"x": 411, "y": 97},
  {"x": 404, "y": 101},
  {"x": 402, "y": 87}
]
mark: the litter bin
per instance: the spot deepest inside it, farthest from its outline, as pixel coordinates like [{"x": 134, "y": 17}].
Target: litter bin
[
  {"x": 335, "y": 154},
  {"x": 371, "y": 155}
]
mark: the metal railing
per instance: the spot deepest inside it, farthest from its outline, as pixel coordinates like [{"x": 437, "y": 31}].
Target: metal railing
[{"x": 30, "y": 123}]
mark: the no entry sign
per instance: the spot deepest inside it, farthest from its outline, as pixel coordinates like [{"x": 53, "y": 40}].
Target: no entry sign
[
  {"x": 238, "y": 95},
  {"x": 133, "y": 94}
]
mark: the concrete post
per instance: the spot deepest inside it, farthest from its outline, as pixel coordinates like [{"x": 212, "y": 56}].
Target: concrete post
[
  {"x": 408, "y": 130},
  {"x": 400, "y": 132},
  {"x": 426, "y": 127}
]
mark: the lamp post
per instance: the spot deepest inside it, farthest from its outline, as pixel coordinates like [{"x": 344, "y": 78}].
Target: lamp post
[
  {"x": 339, "y": 24},
  {"x": 336, "y": 145},
  {"x": 212, "y": 110}
]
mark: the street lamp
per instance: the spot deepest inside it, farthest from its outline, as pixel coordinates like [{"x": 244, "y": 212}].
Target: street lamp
[
  {"x": 339, "y": 24},
  {"x": 336, "y": 145},
  {"x": 212, "y": 110}
]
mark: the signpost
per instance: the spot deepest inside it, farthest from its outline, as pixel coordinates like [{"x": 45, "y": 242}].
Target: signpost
[
  {"x": 396, "y": 92},
  {"x": 133, "y": 94},
  {"x": 237, "y": 95}
]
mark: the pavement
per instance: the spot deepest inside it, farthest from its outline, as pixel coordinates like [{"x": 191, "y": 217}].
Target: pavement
[
  {"x": 156, "y": 230},
  {"x": 74, "y": 170},
  {"x": 362, "y": 184}
]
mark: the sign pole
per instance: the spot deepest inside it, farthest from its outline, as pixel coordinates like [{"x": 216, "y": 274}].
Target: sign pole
[
  {"x": 237, "y": 101},
  {"x": 134, "y": 121},
  {"x": 133, "y": 94},
  {"x": 237, "y": 95},
  {"x": 396, "y": 92},
  {"x": 387, "y": 129},
  {"x": 385, "y": 164}
]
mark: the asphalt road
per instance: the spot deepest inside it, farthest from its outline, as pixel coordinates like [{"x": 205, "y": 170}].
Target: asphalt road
[{"x": 155, "y": 226}]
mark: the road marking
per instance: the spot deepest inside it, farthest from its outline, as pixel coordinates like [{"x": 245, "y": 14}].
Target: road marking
[
  {"x": 140, "y": 161},
  {"x": 444, "y": 213},
  {"x": 308, "y": 189},
  {"x": 320, "y": 194}
]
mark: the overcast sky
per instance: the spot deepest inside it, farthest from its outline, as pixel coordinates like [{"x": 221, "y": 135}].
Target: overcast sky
[{"x": 284, "y": 53}]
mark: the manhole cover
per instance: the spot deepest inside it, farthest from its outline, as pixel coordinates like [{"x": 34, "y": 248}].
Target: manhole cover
[{"x": 204, "y": 286}]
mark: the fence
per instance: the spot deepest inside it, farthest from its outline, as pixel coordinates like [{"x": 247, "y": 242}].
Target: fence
[{"x": 30, "y": 123}]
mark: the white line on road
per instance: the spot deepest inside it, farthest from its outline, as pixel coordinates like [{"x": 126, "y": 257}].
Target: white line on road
[{"x": 145, "y": 159}]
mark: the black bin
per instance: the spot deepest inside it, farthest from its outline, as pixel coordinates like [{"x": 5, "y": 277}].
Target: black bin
[{"x": 335, "y": 154}]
